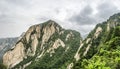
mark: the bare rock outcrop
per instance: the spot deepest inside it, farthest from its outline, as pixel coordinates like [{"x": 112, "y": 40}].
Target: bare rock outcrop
[{"x": 38, "y": 42}]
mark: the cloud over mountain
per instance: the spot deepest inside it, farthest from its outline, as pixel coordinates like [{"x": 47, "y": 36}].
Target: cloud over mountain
[{"x": 81, "y": 15}]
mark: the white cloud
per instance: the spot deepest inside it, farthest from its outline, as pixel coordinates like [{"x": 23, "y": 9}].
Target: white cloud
[{"x": 17, "y": 15}]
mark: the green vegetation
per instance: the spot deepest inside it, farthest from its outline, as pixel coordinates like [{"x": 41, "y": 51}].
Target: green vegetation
[
  {"x": 104, "y": 51},
  {"x": 2, "y": 66},
  {"x": 61, "y": 58},
  {"x": 107, "y": 57}
]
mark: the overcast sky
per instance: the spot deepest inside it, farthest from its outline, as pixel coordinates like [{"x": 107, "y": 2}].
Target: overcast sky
[{"x": 16, "y": 16}]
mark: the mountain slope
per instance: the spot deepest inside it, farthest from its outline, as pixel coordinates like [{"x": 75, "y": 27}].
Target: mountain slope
[
  {"x": 101, "y": 49},
  {"x": 44, "y": 46}
]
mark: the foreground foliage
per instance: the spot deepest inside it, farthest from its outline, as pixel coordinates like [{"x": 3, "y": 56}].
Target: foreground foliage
[
  {"x": 107, "y": 57},
  {"x": 2, "y": 66}
]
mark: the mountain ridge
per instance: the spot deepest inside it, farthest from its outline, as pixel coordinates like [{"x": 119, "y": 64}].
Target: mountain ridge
[
  {"x": 105, "y": 37},
  {"x": 49, "y": 46}
]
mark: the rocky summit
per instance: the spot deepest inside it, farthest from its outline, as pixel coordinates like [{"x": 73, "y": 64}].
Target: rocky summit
[{"x": 43, "y": 46}]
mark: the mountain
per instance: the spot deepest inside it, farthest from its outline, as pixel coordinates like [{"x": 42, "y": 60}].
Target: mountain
[
  {"x": 49, "y": 46},
  {"x": 5, "y": 45},
  {"x": 101, "y": 49},
  {"x": 43, "y": 46}
]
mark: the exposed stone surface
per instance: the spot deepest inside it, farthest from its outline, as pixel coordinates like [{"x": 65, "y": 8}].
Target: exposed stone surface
[
  {"x": 98, "y": 30},
  {"x": 6, "y": 44},
  {"x": 11, "y": 58},
  {"x": 70, "y": 66},
  {"x": 39, "y": 40},
  {"x": 88, "y": 40},
  {"x": 87, "y": 49},
  {"x": 69, "y": 36},
  {"x": 26, "y": 65},
  {"x": 29, "y": 42},
  {"x": 56, "y": 44},
  {"x": 77, "y": 55}
]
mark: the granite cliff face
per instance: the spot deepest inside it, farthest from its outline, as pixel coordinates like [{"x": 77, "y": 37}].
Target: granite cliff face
[
  {"x": 42, "y": 45},
  {"x": 6, "y": 44}
]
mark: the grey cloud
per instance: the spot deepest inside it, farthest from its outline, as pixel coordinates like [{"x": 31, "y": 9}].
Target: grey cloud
[
  {"x": 84, "y": 17},
  {"x": 6, "y": 18},
  {"x": 86, "y": 20},
  {"x": 18, "y": 2},
  {"x": 87, "y": 10},
  {"x": 73, "y": 14},
  {"x": 6, "y": 12},
  {"x": 106, "y": 9}
]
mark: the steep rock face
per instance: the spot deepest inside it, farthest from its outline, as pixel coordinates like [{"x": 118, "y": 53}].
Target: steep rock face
[
  {"x": 41, "y": 46},
  {"x": 99, "y": 36},
  {"x": 13, "y": 57},
  {"x": 89, "y": 44},
  {"x": 6, "y": 44}
]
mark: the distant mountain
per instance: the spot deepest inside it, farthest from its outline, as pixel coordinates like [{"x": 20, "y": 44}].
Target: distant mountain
[
  {"x": 6, "y": 44},
  {"x": 44, "y": 46}
]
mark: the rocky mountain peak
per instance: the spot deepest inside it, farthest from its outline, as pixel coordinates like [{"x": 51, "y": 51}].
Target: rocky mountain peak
[
  {"x": 39, "y": 43},
  {"x": 50, "y": 23}
]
